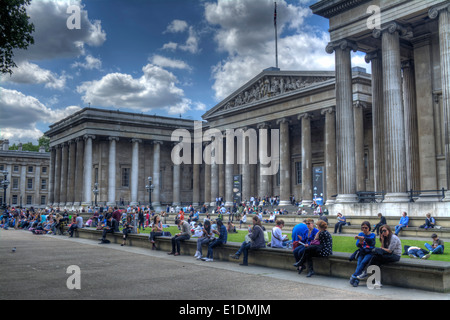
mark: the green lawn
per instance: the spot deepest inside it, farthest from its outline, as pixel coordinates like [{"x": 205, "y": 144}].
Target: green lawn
[{"x": 340, "y": 243}]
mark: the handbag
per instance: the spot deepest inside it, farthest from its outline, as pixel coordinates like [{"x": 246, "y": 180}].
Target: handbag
[{"x": 315, "y": 242}]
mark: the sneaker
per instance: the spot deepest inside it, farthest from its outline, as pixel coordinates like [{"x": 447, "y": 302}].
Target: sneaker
[
  {"x": 197, "y": 253},
  {"x": 208, "y": 260},
  {"x": 412, "y": 256},
  {"x": 362, "y": 276},
  {"x": 200, "y": 257},
  {"x": 234, "y": 256},
  {"x": 426, "y": 256}
]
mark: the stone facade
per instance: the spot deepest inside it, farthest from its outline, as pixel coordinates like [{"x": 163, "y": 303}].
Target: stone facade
[
  {"x": 28, "y": 176},
  {"x": 336, "y": 133}
]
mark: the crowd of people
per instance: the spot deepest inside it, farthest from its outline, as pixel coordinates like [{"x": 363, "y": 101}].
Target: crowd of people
[{"x": 308, "y": 239}]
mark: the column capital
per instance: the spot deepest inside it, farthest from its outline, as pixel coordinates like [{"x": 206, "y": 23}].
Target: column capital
[
  {"x": 360, "y": 104},
  {"x": 434, "y": 11},
  {"x": 341, "y": 44},
  {"x": 283, "y": 120},
  {"x": 305, "y": 115},
  {"x": 113, "y": 138},
  {"x": 328, "y": 111},
  {"x": 135, "y": 140},
  {"x": 87, "y": 136},
  {"x": 392, "y": 27},
  {"x": 157, "y": 142},
  {"x": 372, "y": 56},
  {"x": 262, "y": 125},
  {"x": 407, "y": 63}
]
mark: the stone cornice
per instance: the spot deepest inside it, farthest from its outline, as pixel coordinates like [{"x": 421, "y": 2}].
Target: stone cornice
[{"x": 331, "y": 8}]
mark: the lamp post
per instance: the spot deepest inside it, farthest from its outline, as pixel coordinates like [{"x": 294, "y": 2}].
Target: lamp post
[
  {"x": 95, "y": 191},
  {"x": 149, "y": 187},
  {"x": 5, "y": 184}
]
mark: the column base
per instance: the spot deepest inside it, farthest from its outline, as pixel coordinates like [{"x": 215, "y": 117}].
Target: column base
[
  {"x": 447, "y": 196},
  {"x": 174, "y": 204},
  {"x": 284, "y": 203},
  {"x": 346, "y": 198},
  {"x": 307, "y": 203},
  {"x": 396, "y": 197},
  {"x": 111, "y": 204},
  {"x": 134, "y": 203},
  {"x": 229, "y": 204},
  {"x": 195, "y": 204}
]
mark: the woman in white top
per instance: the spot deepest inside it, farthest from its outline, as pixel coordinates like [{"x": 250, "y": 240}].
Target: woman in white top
[{"x": 278, "y": 239}]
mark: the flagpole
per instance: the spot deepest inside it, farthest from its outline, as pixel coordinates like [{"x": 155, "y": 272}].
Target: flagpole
[{"x": 276, "y": 35}]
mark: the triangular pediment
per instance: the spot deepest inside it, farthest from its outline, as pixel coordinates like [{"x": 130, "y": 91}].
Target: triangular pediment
[{"x": 269, "y": 84}]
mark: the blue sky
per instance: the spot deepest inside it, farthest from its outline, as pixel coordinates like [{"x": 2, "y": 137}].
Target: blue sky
[{"x": 164, "y": 57}]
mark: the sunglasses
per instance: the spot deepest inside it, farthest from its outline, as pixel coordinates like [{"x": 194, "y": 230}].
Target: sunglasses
[{"x": 384, "y": 230}]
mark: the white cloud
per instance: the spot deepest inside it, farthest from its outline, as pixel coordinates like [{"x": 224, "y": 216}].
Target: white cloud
[
  {"x": 177, "y": 26},
  {"x": 169, "y": 63},
  {"x": 21, "y": 115},
  {"x": 52, "y": 37},
  {"x": 244, "y": 30},
  {"x": 30, "y": 73},
  {"x": 156, "y": 88},
  {"x": 89, "y": 64}
]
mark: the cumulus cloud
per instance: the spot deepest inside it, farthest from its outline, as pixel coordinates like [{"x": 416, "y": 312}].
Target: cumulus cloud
[
  {"x": 30, "y": 73},
  {"x": 156, "y": 88},
  {"x": 192, "y": 42},
  {"x": 177, "y": 26},
  {"x": 244, "y": 30},
  {"x": 165, "y": 62},
  {"x": 52, "y": 37},
  {"x": 15, "y": 126},
  {"x": 89, "y": 63}
]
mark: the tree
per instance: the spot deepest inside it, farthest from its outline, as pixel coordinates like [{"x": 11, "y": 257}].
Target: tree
[{"x": 15, "y": 31}]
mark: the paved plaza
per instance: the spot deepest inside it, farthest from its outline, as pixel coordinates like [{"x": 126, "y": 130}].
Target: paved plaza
[{"x": 38, "y": 270}]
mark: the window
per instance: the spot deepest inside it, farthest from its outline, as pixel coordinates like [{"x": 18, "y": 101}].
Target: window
[
  {"x": 29, "y": 200},
  {"x": 298, "y": 172},
  {"x": 2, "y": 167},
  {"x": 29, "y": 183},
  {"x": 14, "y": 199},
  {"x": 30, "y": 169},
  {"x": 44, "y": 184},
  {"x": 125, "y": 177},
  {"x": 43, "y": 202},
  {"x": 44, "y": 170},
  {"x": 15, "y": 183},
  {"x": 16, "y": 168}
]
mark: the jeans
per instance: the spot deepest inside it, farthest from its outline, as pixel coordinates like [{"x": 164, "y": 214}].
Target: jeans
[
  {"x": 416, "y": 252},
  {"x": 438, "y": 250},
  {"x": 398, "y": 228},
  {"x": 338, "y": 226},
  {"x": 245, "y": 246},
  {"x": 176, "y": 242},
  {"x": 200, "y": 242},
  {"x": 215, "y": 243},
  {"x": 298, "y": 252},
  {"x": 363, "y": 261}
]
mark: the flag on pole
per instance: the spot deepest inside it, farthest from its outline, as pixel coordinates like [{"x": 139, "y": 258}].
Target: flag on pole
[{"x": 275, "y": 15}]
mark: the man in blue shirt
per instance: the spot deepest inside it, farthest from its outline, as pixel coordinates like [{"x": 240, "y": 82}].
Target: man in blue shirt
[
  {"x": 222, "y": 239},
  {"x": 301, "y": 230},
  {"x": 404, "y": 220}
]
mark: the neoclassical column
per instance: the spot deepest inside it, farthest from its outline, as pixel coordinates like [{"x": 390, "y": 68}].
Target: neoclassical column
[
  {"x": 394, "y": 119},
  {"x": 263, "y": 150},
  {"x": 443, "y": 12},
  {"x": 134, "y": 181},
  {"x": 377, "y": 120},
  {"x": 112, "y": 171},
  {"x": 57, "y": 175},
  {"x": 64, "y": 166},
  {"x": 156, "y": 195},
  {"x": 245, "y": 167},
  {"x": 358, "y": 109},
  {"x": 285, "y": 162},
  {"x": 79, "y": 171},
  {"x": 71, "y": 173},
  {"x": 330, "y": 155},
  {"x": 411, "y": 138},
  {"x": 229, "y": 167},
  {"x": 87, "y": 170},
  {"x": 176, "y": 190},
  {"x": 344, "y": 121},
  {"x": 207, "y": 159},
  {"x": 51, "y": 180},
  {"x": 196, "y": 185},
  {"x": 307, "y": 181}
]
